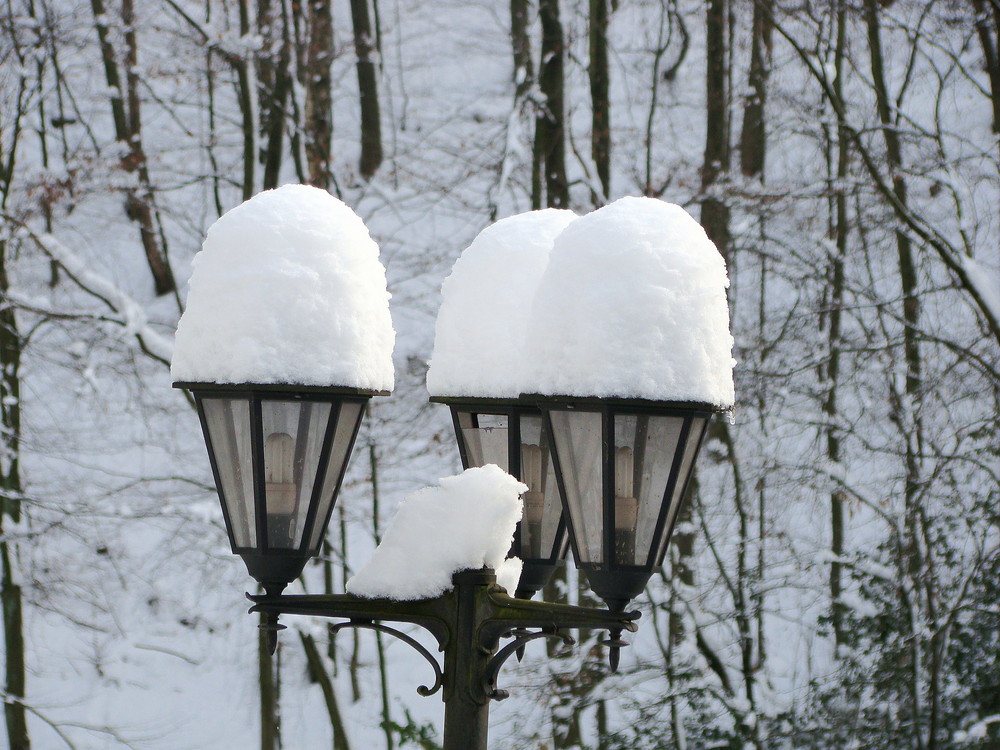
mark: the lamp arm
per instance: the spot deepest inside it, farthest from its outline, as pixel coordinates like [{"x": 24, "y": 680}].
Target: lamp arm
[
  {"x": 433, "y": 615},
  {"x": 509, "y": 614}
]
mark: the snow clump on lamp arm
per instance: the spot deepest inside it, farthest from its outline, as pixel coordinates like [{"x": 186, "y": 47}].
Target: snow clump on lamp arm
[
  {"x": 633, "y": 305},
  {"x": 287, "y": 288},
  {"x": 481, "y": 327},
  {"x": 465, "y": 522}
]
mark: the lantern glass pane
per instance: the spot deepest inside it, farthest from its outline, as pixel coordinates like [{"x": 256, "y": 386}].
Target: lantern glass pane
[
  {"x": 293, "y": 433},
  {"x": 644, "y": 453},
  {"x": 540, "y": 537},
  {"x": 578, "y": 443},
  {"x": 694, "y": 437},
  {"x": 485, "y": 437},
  {"x": 228, "y": 423},
  {"x": 340, "y": 451}
]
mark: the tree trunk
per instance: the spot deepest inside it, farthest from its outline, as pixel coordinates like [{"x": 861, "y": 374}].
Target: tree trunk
[
  {"x": 714, "y": 210},
  {"x": 550, "y": 134},
  {"x": 520, "y": 43},
  {"x": 246, "y": 76},
  {"x": 371, "y": 126},
  {"x": 270, "y": 723},
  {"x": 991, "y": 51},
  {"x": 383, "y": 670},
  {"x": 275, "y": 86},
  {"x": 11, "y": 487},
  {"x": 10, "y": 508},
  {"x": 601, "y": 107},
  {"x": 908, "y": 411},
  {"x": 318, "y": 671},
  {"x": 139, "y": 202},
  {"x": 838, "y": 233},
  {"x": 319, "y": 97},
  {"x": 753, "y": 141}
]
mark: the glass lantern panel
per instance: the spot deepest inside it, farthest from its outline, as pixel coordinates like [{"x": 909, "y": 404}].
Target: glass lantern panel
[
  {"x": 228, "y": 424},
  {"x": 540, "y": 539},
  {"x": 694, "y": 437},
  {"x": 340, "y": 452},
  {"x": 293, "y": 433},
  {"x": 485, "y": 437},
  {"x": 644, "y": 454},
  {"x": 578, "y": 444}
]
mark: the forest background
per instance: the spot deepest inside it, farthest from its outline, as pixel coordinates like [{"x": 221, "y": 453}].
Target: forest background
[{"x": 835, "y": 582}]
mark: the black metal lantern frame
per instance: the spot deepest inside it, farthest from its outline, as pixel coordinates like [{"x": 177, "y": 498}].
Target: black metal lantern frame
[
  {"x": 622, "y": 492},
  {"x": 523, "y": 450},
  {"x": 278, "y": 489}
]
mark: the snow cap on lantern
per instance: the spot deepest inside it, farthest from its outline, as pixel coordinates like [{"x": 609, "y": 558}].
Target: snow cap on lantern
[
  {"x": 287, "y": 288},
  {"x": 633, "y": 305},
  {"x": 481, "y": 327}
]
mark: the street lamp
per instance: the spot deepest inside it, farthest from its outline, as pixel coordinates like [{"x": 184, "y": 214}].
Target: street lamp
[
  {"x": 512, "y": 434},
  {"x": 619, "y": 463},
  {"x": 278, "y": 455},
  {"x": 623, "y": 466},
  {"x": 477, "y": 369}
]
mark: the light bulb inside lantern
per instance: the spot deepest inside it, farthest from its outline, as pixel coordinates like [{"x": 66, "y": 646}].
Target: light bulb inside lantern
[
  {"x": 626, "y": 507},
  {"x": 280, "y": 489},
  {"x": 534, "y": 500}
]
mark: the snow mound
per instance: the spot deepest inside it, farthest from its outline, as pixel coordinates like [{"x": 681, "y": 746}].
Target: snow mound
[
  {"x": 465, "y": 522},
  {"x": 480, "y": 331},
  {"x": 633, "y": 305},
  {"x": 287, "y": 288}
]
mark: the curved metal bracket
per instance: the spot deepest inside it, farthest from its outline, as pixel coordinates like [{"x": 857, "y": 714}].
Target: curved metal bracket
[
  {"x": 417, "y": 646},
  {"x": 521, "y": 637}
]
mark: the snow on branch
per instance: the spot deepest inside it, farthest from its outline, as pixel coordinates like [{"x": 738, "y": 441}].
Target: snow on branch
[{"x": 126, "y": 312}]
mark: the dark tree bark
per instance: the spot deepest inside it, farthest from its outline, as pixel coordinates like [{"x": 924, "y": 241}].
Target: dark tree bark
[
  {"x": 270, "y": 729},
  {"x": 319, "y": 98},
  {"x": 753, "y": 141},
  {"x": 989, "y": 40},
  {"x": 140, "y": 202},
  {"x": 12, "y": 490},
  {"x": 601, "y": 107},
  {"x": 275, "y": 84},
  {"x": 246, "y": 78},
  {"x": 383, "y": 670},
  {"x": 520, "y": 43},
  {"x": 838, "y": 232},
  {"x": 714, "y": 211},
  {"x": 908, "y": 406},
  {"x": 550, "y": 136},
  {"x": 318, "y": 673},
  {"x": 715, "y": 216},
  {"x": 365, "y": 48}
]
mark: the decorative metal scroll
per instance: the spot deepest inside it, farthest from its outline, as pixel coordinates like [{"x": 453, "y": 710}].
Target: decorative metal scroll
[
  {"x": 417, "y": 646},
  {"x": 521, "y": 637}
]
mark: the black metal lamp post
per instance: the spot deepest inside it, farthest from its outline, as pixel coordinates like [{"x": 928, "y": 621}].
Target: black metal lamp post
[
  {"x": 512, "y": 434},
  {"x": 279, "y": 454}
]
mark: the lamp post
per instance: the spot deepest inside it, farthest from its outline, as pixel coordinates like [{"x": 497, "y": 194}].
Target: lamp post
[
  {"x": 279, "y": 453},
  {"x": 607, "y": 472}
]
